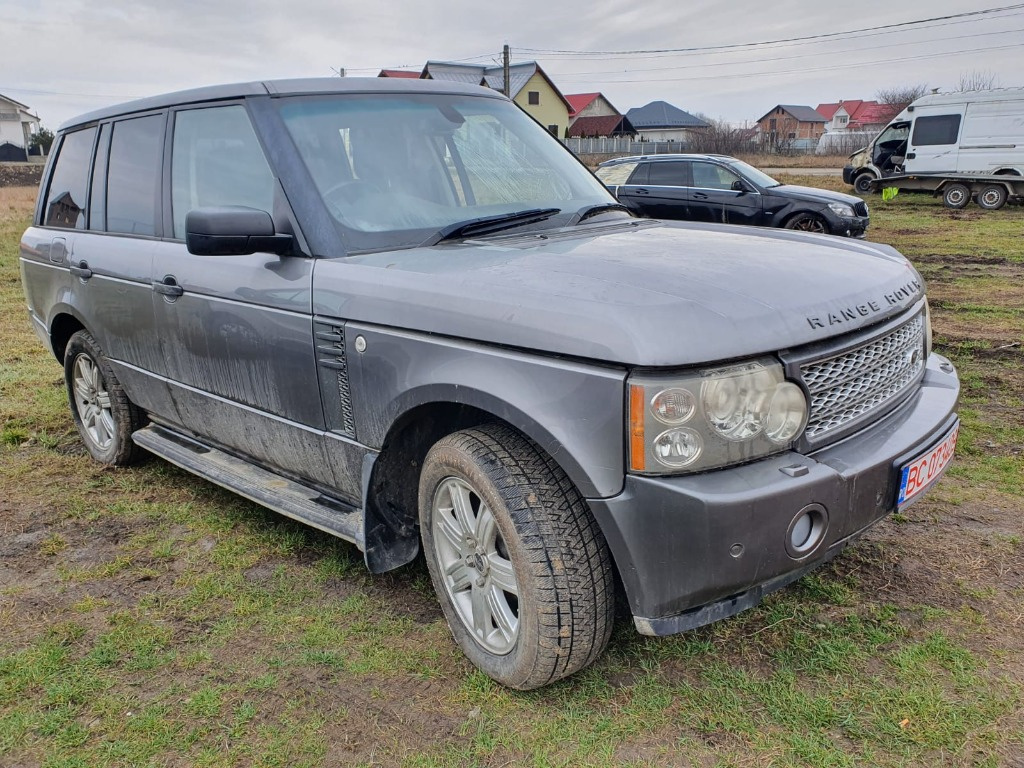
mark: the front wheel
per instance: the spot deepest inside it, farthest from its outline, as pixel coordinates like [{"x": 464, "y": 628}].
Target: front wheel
[
  {"x": 862, "y": 184},
  {"x": 103, "y": 414},
  {"x": 956, "y": 196},
  {"x": 808, "y": 222},
  {"x": 519, "y": 565}
]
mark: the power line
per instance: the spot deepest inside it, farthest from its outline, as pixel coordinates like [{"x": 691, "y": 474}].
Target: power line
[
  {"x": 850, "y": 36},
  {"x": 822, "y": 36},
  {"x": 810, "y": 69},
  {"x": 799, "y": 56}
]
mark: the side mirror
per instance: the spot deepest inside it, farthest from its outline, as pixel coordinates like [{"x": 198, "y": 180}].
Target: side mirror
[
  {"x": 740, "y": 186},
  {"x": 233, "y": 230}
]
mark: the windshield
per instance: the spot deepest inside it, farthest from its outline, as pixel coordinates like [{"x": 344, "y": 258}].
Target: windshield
[
  {"x": 759, "y": 178},
  {"x": 396, "y": 169}
]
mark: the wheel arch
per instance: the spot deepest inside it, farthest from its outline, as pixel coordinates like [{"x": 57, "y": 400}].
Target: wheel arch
[
  {"x": 64, "y": 324},
  {"x": 391, "y": 490}
]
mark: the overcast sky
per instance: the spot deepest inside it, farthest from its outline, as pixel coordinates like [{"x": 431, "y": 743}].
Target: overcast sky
[{"x": 67, "y": 57}]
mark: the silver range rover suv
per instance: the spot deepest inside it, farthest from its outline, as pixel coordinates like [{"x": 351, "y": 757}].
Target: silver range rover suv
[{"x": 403, "y": 313}]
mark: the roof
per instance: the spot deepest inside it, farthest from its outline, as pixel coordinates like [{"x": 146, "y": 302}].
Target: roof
[
  {"x": 580, "y": 101},
  {"x": 661, "y": 114},
  {"x": 493, "y": 77},
  {"x": 861, "y": 112},
  {"x": 399, "y": 73},
  {"x": 273, "y": 88},
  {"x": 667, "y": 157},
  {"x": 602, "y": 125},
  {"x": 13, "y": 101},
  {"x": 801, "y": 113}
]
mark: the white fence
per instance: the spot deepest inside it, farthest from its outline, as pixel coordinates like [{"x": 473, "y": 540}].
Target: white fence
[{"x": 609, "y": 146}]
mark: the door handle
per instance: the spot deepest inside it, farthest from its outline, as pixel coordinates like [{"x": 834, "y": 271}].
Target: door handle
[
  {"x": 911, "y": 155},
  {"x": 700, "y": 195},
  {"x": 82, "y": 270},
  {"x": 168, "y": 287},
  {"x": 641, "y": 191}
]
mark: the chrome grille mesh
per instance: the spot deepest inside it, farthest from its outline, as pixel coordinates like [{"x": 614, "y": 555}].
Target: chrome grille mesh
[{"x": 849, "y": 385}]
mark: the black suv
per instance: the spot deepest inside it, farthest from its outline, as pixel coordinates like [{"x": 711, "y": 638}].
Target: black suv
[{"x": 724, "y": 190}]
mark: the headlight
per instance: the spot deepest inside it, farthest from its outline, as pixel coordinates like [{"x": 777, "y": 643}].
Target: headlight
[
  {"x": 712, "y": 418},
  {"x": 841, "y": 209}
]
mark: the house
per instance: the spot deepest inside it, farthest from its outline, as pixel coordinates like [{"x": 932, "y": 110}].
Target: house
[
  {"x": 529, "y": 87},
  {"x": 594, "y": 116},
  {"x": 399, "y": 73},
  {"x": 660, "y": 121},
  {"x": 856, "y": 115},
  {"x": 789, "y": 123},
  {"x": 17, "y": 125}
]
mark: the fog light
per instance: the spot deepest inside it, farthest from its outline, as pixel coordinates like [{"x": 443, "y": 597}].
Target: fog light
[
  {"x": 806, "y": 531},
  {"x": 677, "y": 447}
]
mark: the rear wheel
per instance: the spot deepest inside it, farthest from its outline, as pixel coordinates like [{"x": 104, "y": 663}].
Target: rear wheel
[
  {"x": 993, "y": 197},
  {"x": 104, "y": 415},
  {"x": 862, "y": 183},
  {"x": 808, "y": 222},
  {"x": 956, "y": 195},
  {"x": 519, "y": 565}
]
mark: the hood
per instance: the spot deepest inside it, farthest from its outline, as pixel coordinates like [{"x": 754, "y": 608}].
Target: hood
[
  {"x": 812, "y": 193},
  {"x": 636, "y": 293}
]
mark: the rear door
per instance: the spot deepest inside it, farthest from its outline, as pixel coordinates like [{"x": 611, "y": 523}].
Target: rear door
[
  {"x": 934, "y": 140},
  {"x": 665, "y": 191},
  {"x": 110, "y": 258},
  {"x": 715, "y": 198}
]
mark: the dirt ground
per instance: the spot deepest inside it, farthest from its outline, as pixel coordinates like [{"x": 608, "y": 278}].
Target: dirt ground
[
  {"x": 20, "y": 174},
  {"x": 176, "y": 606}
]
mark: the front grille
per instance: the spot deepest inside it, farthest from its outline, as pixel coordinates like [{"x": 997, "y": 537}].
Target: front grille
[
  {"x": 861, "y": 208},
  {"x": 848, "y": 386}
]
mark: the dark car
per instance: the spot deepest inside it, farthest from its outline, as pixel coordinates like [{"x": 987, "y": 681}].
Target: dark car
[
  {"x": 724, "y": 190},
  {"x": 403, "y": 313}
]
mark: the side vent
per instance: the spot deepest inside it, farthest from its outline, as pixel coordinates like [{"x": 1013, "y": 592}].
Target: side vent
[{"x": 332, "y": 365}]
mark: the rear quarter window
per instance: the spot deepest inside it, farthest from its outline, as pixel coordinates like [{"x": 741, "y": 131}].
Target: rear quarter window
[
  {"x": 66, "y": 197},
  {"x": 615, "y": 174}
]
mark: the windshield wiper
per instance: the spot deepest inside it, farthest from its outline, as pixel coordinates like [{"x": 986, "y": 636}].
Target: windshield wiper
[
  {"x": 486, "y": 225},
  {"x": 593, "y": 210}
]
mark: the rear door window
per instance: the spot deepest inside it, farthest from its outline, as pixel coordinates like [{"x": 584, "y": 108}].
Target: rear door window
[
  {"x": 936, "y": 129},
  {"x": 66, "y": 198},
  {"x": 668, "y": 174},
  {"x": 133, "y": 175}
]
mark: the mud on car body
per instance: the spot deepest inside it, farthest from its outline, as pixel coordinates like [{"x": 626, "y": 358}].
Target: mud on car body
[{"x": 404, "y": 314}]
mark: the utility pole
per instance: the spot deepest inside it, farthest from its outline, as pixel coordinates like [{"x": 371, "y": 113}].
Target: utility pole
[{"x": 507, "y": 90}]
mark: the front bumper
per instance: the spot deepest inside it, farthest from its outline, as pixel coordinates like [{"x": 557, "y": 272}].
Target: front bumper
[
  {"x": 691, "y": 550},
  {"x": 857, "y": 226}
]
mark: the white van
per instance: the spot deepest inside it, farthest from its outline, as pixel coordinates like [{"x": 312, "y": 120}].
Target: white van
[{"x": 980, "y": 132}]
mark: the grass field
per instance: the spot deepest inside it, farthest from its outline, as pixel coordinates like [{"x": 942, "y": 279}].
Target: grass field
[{"x": 149, "y": 618}]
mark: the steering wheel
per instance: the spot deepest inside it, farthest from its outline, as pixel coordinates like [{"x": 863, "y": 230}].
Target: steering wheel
[{"x": 346, "y": 193}]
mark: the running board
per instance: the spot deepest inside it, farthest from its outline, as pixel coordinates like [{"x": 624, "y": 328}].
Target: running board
[{"x": 287, "y": 497}]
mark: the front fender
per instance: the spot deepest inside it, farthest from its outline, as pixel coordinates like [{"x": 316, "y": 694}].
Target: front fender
[{"x": 573, "y": 410}]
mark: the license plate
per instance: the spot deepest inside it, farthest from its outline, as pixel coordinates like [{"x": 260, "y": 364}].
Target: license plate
[{"x": 917, "y": 475}]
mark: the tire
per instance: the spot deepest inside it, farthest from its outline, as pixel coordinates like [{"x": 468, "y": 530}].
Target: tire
[
  {"x": 993, "y": 197},
  {"x": 103, "y": 414},
  {"x": 862, "y": 183},
  {"x": 523, "y": 572},
  {"x": 808, "y": 222},
  {"x": 956, "y": 196}
]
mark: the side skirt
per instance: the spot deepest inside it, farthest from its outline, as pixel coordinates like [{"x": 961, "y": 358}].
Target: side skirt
[{"x": 287, "y": 497}]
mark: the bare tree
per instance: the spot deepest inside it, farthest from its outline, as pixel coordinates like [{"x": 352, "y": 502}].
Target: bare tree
[
  {"x": 719, "y": 138},
  {"x": 978, "y": 80},
  {"x": 899, "y": 97}
]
